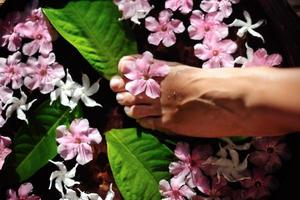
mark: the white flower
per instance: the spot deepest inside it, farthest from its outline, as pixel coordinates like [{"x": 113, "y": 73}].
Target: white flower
[
  {"x": 63, "y": 178},
  {"x": 111, "y": 194},
  {"x": 18, "y": 105},
  {"x": 231, "y": 146},
  {"x": 70, "y": 195},
  {"x": 247, "y": 26},
  {"x": 231, "y": 169},
  {"x": 64, "y": 91},
  {"x": 91, "y": 196},
  {"x": 84, "y": 92}
]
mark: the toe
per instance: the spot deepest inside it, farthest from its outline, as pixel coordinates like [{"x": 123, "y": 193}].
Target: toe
[
  {"x": 153, "y": 123},
  {"x": 141, "y": 111},
  {"x": 127, "y": 99},
  {"x": 126, "y": 62},
  {"x": 117, "y": 84}
]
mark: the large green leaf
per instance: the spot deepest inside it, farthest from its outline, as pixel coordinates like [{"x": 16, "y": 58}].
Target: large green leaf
[
  {"x": 35, "y": 143},
  {"x": 138, "y": 161},
  {"x": 94, "y": 29}
]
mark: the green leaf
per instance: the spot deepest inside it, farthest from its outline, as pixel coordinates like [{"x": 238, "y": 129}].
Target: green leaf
[
  {"x": 93, "y": 28},
  {"x": 138, "y": 161},
  {"x": 35, "y": 143}
]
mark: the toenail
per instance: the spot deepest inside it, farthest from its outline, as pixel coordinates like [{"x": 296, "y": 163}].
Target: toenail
[
  {"x": 114, "y": 83},
  {"x": 119, "y": 97},
  {"x": 127, "y": 109}
]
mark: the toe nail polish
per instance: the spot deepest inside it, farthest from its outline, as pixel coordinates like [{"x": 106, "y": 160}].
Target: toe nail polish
[{"x": 119, "y": 97}]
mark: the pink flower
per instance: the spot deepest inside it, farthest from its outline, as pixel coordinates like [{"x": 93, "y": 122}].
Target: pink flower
[
  {"x": 43, "y": 73},
  {"x": 223, "y": 6},
  {"x": 164, "y": 29},
  {"x": 39, "y": 33},
  {"x": 269, "y": 152},
  {"x": 134, "y": 10},
  {"x": 259, "y": 186},
  {"x": 260, "y": 58},
  {"x": 141, "y": 73},
  {"x": 218, "y": 53},
  {"x": 185, "y": 6},
  {"x": 4, "y": 150},
  {"x": 203, "y": 25},
  {"x": 219, "y": 189},
  {"x": 12, "y": 70},
  {"x": 2, "y": 120},
  {"x": 77, "y": 141},
  {"x": 23, "y": 193},
  {"x": 5, "y": 94},
  {"x": 176, "y": 189},
  {"x": 191, "y": 165},
  {"x": 9, "y": 36}
]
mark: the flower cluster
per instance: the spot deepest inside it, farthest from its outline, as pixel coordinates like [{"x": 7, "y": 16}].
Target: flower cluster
[
  {"x": 75, "y": 141},
  {"x": 24, "y": 192},
  {"x": 207, "y": 27},
  {"x": 206, "y": 174}
]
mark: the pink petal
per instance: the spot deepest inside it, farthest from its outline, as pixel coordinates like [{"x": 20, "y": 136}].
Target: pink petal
[
  {"x": 165, "y": 16},
  {"x": 274, "y": 60},
  {"x": 177, "y": 182},
  {"x": 259, "y": 158},
  {"x": 214, "y": 62},
  {"x": 177, "y": 25},
  {"x": 169, "y": 39},
  {"x": 61, "y": 131},
  {"x": 67, "y": 150},
  {"x": 132, "y": 72},
  {"x": 227, "y": 46},
  {"x": 202, "y": 152},
  {"x": 202, "y": 51},
  {"x": 94, "y": 135},
  {"x": 78, "y": 126},
  {"x": 159, "y": 69},
  {"x": 209, "y": 5},
  {"x": 31, "y": 48},
  {"x": 227, "y": 60},
  {"x": 164, "y": 187},
  {"x": 152, "y": 89},
  {"x": 25, "y": 189},
  {"x": 155, "y": 38},
  {"x": 46, "y": 47},
  {"x": 179, "y": 167},
  {"x": 200, "y": 181},
  {"x": 3, "y": 154},
  {"x": 273, "y": 164},
  {"x": 187, "y": 192},
  {"x": 172, "y": 4},
  {"x": 31, "y": 83},
  {"x": 85, "y": 154},
  {"x": 187, "y": 6},
  {"x": 151, "y": 24},
  {"x": 136, "y": 87},
  {"x": 182, "y": 151}
]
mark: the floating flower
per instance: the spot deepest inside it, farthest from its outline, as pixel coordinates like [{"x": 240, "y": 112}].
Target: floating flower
[
  {"x": 62, "y": 177},
  {"x": 247, "y": 26},
  {"x": 176, "y": 189},
  {"x": 218, "y": 53},
  {"x": 23, "y": 193},
  {"x": 223, "y": 152},
  {"x": 269, "y": 152},
  {"x": 203, "y": 25},
  {"x": 222, "y": 6},
  {"x": 5, "y": 142},
  {"x": 191, "y": 165},
  {"x": 141, "y": 74},
  {"x": 12, "y": 70},
  {"x": 39, "y": 33},
  {"x": 259, "y": 186},
  {"x": 164, "y": 29},
  {"x": 218, "y": 190},
  {"x": 185, "y": 6},
  {"x": 83, "y": 93},
  {"x": 9, "y": 35},
  {"x": 64, "y": 91},
  {"x": 133, "y": 9},
  {"x": 259, "y": 58},
  {"x": 18, "y": 105},
  {"x": 231, "y": 169},
  {"x": 43, "y": 73},
  {"x": 76, "y": 141}
]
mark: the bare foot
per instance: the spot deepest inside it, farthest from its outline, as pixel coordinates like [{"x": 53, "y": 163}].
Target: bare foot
[{"x": 192, "y": 102}]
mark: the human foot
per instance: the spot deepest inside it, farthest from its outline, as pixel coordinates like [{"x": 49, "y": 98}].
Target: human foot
[{"x": 193, "y": 101}]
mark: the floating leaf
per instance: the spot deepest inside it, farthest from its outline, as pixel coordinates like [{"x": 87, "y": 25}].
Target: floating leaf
[
  {"x": 93, "y": 28},
  {"x": 138, "y": 161},
  {"x": 35, "y": 143}
]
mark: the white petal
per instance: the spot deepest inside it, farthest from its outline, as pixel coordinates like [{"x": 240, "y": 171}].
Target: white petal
[
  {"x": 85, "y": 81},
  {"x": 89, "y": 102},
  {"x": 111, "y": 194},
  {"x": 256, "y": 34},
  {"x": 21, "y": 115}
]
